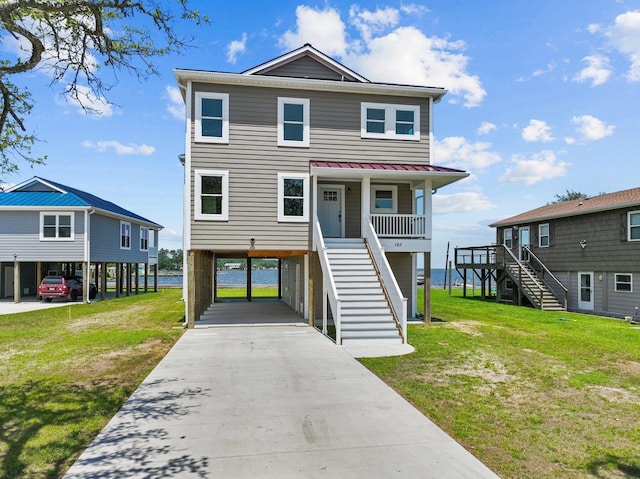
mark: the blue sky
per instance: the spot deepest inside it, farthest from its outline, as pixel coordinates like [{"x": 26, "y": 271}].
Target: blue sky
[{"x": 543, "y": 97}]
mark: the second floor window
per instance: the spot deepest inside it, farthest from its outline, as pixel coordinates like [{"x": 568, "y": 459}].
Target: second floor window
[
  {"x": 293, "y": 122},
  {"x": 633, "y": 226},
  {"x": 543, "y": 235},
  {"x": 385, "y": 121},
  {"x": 125, "y": 235},
  {"x": 144, "y": 238},
  {"x": 56, "y": 226},
  {"x": 212, "y": 117}
]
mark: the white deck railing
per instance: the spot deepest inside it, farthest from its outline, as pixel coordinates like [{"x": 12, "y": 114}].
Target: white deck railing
[
  {"x": 329, "y": 290},
  {"x": 400, "y": 226},
  {"x": 392, "y": 290}
]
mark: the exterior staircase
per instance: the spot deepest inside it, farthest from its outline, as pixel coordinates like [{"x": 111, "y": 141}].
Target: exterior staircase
[
  {"x": 536, "y": 290},
  {"x": 366, "y": 314}
]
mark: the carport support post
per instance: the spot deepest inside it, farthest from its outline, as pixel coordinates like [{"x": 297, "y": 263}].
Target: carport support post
[
  {"x": 427, "y": 287},
  {"x": 249, "y": 279},
  {"x": 118, "y": 279},
  {"x": 146, "y": 277},
  {"x": 279, "y": 278},
  {"x": 85, "y": 282},
  {"x": 16, "y": 280},
  {"x": 103, "y": 285},
  {"x": 137, "y": 277},
  {"x": 155, "y": 278}
]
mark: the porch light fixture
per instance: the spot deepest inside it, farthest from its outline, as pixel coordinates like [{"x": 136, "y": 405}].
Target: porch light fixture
[
  {"x": 583, "y": 244},
  {"x": 252, "y": 241}
]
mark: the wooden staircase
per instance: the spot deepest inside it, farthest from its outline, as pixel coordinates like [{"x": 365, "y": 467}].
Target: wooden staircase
[
  {"x": 535, "y": 290},
  {"x": 366, "y": 314}
]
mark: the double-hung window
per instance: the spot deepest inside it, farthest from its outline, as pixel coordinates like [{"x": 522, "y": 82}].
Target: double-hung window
[
  {"x": 212, "y": 117},
  {"x": 211, "y": 195},
  {"x": 144, "y": 238},
  {"x": 633, "y": 226},
  {"x": 293, "y": 122},
  {"x": 293, "y": 197},
  {"x": 624, "y": 282},
  {"x": 543, "y": 235},
  {"x": 56, "y": 226},
  {"x": 507, "y": 238},
  {"x": 386, "y": 121},
  {"x": 125, "y": 235}
]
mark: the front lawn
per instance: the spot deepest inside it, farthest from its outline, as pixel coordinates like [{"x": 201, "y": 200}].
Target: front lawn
[
  {"x": 64, "y": 372},
  {"x": 532, "y": 394}
]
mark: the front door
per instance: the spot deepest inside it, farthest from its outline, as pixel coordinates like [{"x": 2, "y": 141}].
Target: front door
[
  {"x": 523, "y": 241},
  {"x": 330, "y": 210},
  {"x": 585, "y": 291}
]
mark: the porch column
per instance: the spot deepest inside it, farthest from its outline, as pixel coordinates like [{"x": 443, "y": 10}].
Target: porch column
[
  {"x": 365, "y": 196},
  {"x": 16, "y": 280}
]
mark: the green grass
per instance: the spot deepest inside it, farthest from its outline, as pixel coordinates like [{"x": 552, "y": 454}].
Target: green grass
[
  {"x": 532, "y": 394},
  {"x": 264, "y": 292},
  {"x": 65, "y": 371}
]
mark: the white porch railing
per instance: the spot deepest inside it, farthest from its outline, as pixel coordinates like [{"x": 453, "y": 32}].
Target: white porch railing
[
  {"x": 392, "y": 290},
  {"x": 400, "y": 226},
  {"x": 329, "y": 290}
]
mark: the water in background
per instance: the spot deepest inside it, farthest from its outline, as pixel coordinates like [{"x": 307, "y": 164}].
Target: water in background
[{"x": 270, "y": 278}]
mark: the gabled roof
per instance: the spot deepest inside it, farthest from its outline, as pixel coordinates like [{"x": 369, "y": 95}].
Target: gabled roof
[
  {"x": 309, "y": 51},
  {"x": 611, "y": 201},
  {"x": 38, "y": 192}
]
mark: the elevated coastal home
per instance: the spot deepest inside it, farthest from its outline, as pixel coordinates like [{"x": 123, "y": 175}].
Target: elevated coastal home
[
  {"x": 581, "y": 255},
  {"x": 49, "y": 228},
  {"x": 307, "y": 161}
]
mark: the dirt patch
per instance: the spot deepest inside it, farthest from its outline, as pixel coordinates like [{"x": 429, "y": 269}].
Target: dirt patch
[
  {"x": 467, "y": 326},
  {"x": 615, "y": 395},
  {"x": 106, "y": 318}
]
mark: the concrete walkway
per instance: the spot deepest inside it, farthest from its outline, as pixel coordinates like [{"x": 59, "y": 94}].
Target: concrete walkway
[{"x": 269, "y": 402}]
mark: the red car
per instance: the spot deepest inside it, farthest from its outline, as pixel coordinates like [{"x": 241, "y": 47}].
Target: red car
[{"x": 63, "y": 287}]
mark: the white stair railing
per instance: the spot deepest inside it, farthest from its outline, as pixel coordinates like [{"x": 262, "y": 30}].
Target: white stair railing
[
  {"x": 329, "y": 290},
  {"x": 398, "y": 301}
]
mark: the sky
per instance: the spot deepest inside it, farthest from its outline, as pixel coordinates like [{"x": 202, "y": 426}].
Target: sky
[{"x": 543, "y": 97}]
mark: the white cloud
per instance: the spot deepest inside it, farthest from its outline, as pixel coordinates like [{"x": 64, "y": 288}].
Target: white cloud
[
  {"x": 541, "y": 166},
  {"x": 594, "y": 28},
  {"x": 624, "y": 36},
  {"x": 406, "y": 55},
  {"x": 457, "y": 152},
  {"x": 369, "y": 23},
  {"x": 403, "y": 55},
  {"x": 119, "y": 148},
  {"x": 88, "y": 103},
  {"x": 542, "y": 71},
  {"x": 486, "y": 127},
  {"x": 570, "y": 140},
  {"x": 175, "y": 106},
  {"x": 322, "y": 28},
  {"x": 460, "y": 203},
  {"x": 537, "y": 130},
  {"x": 592, "y": 128},
  {"x": 413, "y": 9},
  {"x": 597, "y": 71},
  {"x": 236, "y": 47}
]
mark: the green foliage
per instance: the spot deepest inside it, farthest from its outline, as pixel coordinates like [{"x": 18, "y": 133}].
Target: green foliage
[
  {"x": 73, "y": 41},
  {"x": 170, "y": 260},
  {"x": 570, "y": 195}
]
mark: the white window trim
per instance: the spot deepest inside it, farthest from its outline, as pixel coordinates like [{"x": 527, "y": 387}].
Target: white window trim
[
  {"x": 306, "y": 105},
  {"x": 225, "y": 117},
  {"x": 390, "y": 121},
  {"x": 540, "y": 235},
  {"x": 629, "y": 225},
  {"x": 615, "y": 282},
  {"x": 305, "y": 192},
  {"x": 197, "y": 210},
  {"x": 394, "y": 199},
  {"x": 121, "y": 235},
  {"x": 57, "y": 214},
  {"x": 504, "y": 237},
  {"x": 144, "y": 228}
]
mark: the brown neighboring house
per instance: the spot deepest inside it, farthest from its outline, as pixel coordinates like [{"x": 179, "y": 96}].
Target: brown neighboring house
[{"x": 586, "y": 250}]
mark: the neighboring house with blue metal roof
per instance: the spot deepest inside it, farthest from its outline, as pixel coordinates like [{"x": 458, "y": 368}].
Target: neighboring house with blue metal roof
[{"x": 50, "y": 228}]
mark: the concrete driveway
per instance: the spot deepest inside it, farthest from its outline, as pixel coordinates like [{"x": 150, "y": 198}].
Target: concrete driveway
[
  {"x": 269, "y": 401},
  {"x": 7, "y": 306}
]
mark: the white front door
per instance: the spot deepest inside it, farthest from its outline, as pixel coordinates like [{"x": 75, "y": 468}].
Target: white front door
[
  {"x": 523, "y": 241},
  {"x": 585, "y": 291},
  {"x": 330, "y": 210},
  {"x": 8, "y": 281}
]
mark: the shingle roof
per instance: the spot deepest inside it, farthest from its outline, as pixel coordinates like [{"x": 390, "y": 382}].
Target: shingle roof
[
  {"x": 66, "y": 197},
  {"x": 610, "y": 201}
]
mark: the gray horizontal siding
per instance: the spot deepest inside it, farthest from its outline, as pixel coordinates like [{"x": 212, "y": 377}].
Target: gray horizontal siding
[
  {"x": 20, "y": 235},
  {"x": 253, "y": 161},
  {"x": 105, "y": 241},
  {"x": 305, "y": 67}
]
